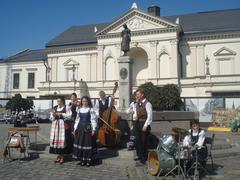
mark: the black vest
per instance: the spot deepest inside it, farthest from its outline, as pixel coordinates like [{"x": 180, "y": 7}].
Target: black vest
[
  {"x": 103, "y": 107},
  {"x": 141, "y": 111},
  {"x": 62, "y": 111},
  {"x": 195, "y": 138},
  {"x": 74, "y": 112}
]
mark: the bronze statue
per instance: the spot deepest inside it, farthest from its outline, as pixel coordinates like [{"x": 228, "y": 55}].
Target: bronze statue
[{"x": 126, "y": 39}]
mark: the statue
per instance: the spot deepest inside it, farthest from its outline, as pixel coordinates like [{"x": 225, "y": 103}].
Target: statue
[{"x": 126, "y": 39}]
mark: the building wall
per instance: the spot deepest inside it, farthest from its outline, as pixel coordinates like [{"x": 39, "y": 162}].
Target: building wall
[{"x": 23, "y": 68}]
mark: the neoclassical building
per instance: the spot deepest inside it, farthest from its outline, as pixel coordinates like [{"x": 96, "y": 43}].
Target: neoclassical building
[{"x": 199, "y": 52}]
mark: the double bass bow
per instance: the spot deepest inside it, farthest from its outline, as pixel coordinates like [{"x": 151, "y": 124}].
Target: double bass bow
[{"x": 109, "y": 134}]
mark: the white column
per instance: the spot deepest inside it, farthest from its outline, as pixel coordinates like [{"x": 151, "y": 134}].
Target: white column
[
  {"x": 100, "y": 64},
  {"x": 193, "y": 61},
  {"x": 89, "y": 69},
  {"x": 200, "y": 61},
  {"x": 152, "y": 60},
  {"x": 174, "y": 59}
]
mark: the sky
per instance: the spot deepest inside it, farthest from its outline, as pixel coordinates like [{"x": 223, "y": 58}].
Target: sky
[{"x": 30, "y": 24}]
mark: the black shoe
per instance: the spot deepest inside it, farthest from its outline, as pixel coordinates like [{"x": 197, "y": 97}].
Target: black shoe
[
  {"x": 137, "y": 158},
  {"x": 143, "y": 161},
  {"x": 88, "y": 164},
  {"x": 81, "y": 163},
  {"x": 138, "y": 164}
]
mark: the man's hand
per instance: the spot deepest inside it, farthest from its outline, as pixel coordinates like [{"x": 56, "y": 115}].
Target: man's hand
[{"x": 144, "y": 129}]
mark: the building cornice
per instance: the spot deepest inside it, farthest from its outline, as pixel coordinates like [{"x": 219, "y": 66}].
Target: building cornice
[
  {"x": 140, "y": 33},
  {"x": 211, "y": 36},
  {"x": 139, "y": 13},
  {"x": 69, "y": 50}
]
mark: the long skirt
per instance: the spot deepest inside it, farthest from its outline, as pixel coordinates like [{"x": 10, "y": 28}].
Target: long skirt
[
  {"x": 61, "y": 139},
  {"x": 85, "y": 146}
]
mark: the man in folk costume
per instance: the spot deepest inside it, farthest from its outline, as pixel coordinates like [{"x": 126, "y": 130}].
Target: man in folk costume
[
  {"x": 101, "y": 105},
  {"x": 142, "y": 125},
  {"x": 61, "y": 141}
]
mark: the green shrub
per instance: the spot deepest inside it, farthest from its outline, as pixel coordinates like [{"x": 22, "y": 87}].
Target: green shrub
[
  {"x": 163, "y": 98},
  {"x": 170, "y": 98},
  {"x": 152, "y": 94}
]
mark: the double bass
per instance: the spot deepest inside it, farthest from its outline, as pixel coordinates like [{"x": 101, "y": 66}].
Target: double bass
[{"x": 109, "y": 134}]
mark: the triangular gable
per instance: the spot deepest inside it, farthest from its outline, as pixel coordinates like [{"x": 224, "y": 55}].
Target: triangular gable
[
  {"x": 225, "y": 52},
  {"x": 70, "y": 62},
  {"x": 137, "y": 20}
]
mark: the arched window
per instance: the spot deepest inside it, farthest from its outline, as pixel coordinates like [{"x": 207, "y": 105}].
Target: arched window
[
  {"x": 164, "y": 66},
  {"x": 110, "y": 68}
]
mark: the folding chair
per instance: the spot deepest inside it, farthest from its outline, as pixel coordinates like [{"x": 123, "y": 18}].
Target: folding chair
[
  {"x": 16, "y": 141},
  {"x": 210, "y": 141}
]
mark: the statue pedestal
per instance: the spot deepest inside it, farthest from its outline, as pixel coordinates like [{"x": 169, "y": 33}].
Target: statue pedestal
[{"x": 125, "y": 85}]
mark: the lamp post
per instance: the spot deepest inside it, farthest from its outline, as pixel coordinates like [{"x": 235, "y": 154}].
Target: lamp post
[{"x": 74, "y": 79}]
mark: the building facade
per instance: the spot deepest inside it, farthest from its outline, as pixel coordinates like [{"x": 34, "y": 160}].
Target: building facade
[{"x": 198, "y": 52}]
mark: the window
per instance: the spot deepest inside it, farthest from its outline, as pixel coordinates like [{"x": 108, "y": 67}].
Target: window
[
  {"x": 16, "y": 81},
  {"x": 70, "y": 75},
  {"x": 31, "y": 80}
]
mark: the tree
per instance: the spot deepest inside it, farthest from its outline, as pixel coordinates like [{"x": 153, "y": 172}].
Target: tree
[
  {"x": 17, "y": 103},
  {"x": 170, "y": 98}
]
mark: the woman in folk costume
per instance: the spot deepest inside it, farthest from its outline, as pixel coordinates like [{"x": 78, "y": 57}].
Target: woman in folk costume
[
  {"x": 85, "y": 148},
  {"x": 61, "y": 140}
]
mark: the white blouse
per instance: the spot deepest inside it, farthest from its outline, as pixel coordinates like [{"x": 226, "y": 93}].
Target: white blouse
[
  {"x": 66, "y": 116},
  {"x": 188, "y": 142},
  {"x": 93, "y": 117},
  {"x": 132, "y": 110}
]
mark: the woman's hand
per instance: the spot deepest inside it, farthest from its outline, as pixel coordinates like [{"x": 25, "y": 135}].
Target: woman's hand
[{"x": 93, "y": 132}]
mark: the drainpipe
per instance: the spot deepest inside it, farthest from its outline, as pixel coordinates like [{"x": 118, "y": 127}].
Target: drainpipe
[
  {"x": 180, "y": 68},
  {"x": 46, "y": 66}
]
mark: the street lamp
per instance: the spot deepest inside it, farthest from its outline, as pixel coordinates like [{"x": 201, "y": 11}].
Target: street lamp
[
  {"x": 74, "y": 69},
  {"x": 48, "y": 72},
  {"x": 74, "y": 79}
]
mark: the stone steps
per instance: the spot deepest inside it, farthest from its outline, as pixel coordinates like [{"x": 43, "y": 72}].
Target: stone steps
[{"x": 223, "y": 153}]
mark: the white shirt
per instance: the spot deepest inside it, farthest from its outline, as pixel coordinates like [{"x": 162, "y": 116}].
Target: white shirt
[
  {"x": 149, "y": 113},
  {"x": 96, "y": 107},
  {"x": 92, "y": 119},
  {"x": 66, "y": 116},
  {"x": 132, "y": 110},
  {"x": 188, "y": 142}
]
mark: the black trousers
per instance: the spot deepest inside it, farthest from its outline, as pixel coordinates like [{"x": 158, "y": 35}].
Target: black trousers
[{"x": 141, "y": 141}]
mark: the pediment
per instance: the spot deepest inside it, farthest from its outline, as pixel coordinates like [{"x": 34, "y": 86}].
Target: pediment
[
  {"x": 70, "y": 62},
  {"x": 225, "y": 52},
  {"x": 137, "y": 20}
]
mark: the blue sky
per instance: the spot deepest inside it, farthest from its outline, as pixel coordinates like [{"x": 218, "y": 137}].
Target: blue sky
[{"x": 32, "y": 23}]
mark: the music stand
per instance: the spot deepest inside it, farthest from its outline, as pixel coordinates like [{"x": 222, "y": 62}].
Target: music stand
[{"x": 178, "y": 166}]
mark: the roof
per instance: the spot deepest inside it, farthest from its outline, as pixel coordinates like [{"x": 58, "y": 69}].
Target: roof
[
  {"x": 77, "y": 35},
  {"x": 211, "y": 21},
  {"x": 222, "y": 20},
  {"x": 27, "y": 55}
]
